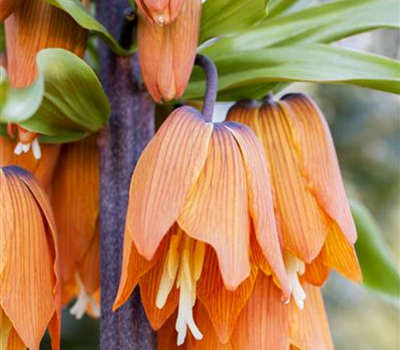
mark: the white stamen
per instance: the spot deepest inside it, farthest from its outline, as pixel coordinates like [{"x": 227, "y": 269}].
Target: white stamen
[
  {"x": 294, "y": 268},
  {"x": 18, "y": 149},
  {"x": 184, "y": 263},
  {"x": 160, "y": 20},
  {"x": 37, "y": 153},
  {"x": 79, "y": 308},
  {"x": 26, "y": 147}
]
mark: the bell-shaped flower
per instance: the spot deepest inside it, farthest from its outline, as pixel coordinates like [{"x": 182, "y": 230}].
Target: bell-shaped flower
[
  {"x": 31, "y": 27},
  {"x": 312, "y": 212},
  {"x": 200, "y": 224},
  {"x": 160, "y": 12},
  {"x": 75, "y": 201},
  {"x": 42, "y": 169},
  {"x": 29, "y": 284},
  {"x": 167, "y": 53},
  {"x": 264, "y": 324}
]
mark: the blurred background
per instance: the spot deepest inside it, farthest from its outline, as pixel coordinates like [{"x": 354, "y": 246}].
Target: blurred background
[{"x": 366, "y": 129}]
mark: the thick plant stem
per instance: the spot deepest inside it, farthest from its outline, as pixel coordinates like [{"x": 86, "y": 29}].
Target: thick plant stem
[{"x": 130, "y": 128}]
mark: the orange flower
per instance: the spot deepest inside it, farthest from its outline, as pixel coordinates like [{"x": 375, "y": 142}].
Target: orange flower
[
  {"x": 167, "y": 54},
  {"x": 312, "y": 212},
  {"x": 31, "y": 27},
  {"x": 42, "y": 169},
  {"x": 200, "y": 224},
  {"x": 161, "y": 12},
  {"x": 29, "y": 283},
  {"x": 75, "y": 200},
  {"x": 264, "y": 324}
]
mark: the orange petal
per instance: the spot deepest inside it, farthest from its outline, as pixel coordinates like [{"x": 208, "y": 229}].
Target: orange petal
[
  {"x": 89, "y": 268},
  {"x": 134, "y": 266},
  {"x": 7, "y": 7},
  {"x": 302, "y": 224},
  {"x": 310, "y": 328},
  {"x": 26, "y": 35},
  {"x": 161, "y": 12},
  {"x": 320, "y": 164},
  {"x": 210, "y": 340},
  {"x": 42, "y": 168},
  {"x": 167, "y": 53},
  {"x": 216, "y": 211},
  {"x": 316, "y": 273},
  {"x": 261, "y": 203},
  {"x": 265, "y": 313},
  {"x": 167, "y": 336},
  {"x": 340, "y": 255},
  {"x": 15, "y": 342},
  {"x": 149, "y": 286},
  {"x": 163, "y": 177},
  {"x": 27, "y": 284},
  {"x": 223, "y": 307},
  {"x": 75, "y": 200}
]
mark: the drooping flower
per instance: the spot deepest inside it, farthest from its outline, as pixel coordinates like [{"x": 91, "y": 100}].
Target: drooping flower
[
  {"x": 167, "y": 53},
  {"x": 200, "y": 224},
  {"x": 29, "y": 277},
  {"x": 75, "y": 200},
  {"x": 31, "y": 27},
  {"x": 311, "y": 208},
  {"x": 264, "y": 324},
  {"x": 160, "y": 12},
  {"x": 42, "y": 168}
]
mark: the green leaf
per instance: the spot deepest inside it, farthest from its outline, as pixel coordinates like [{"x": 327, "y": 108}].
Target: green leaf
[
  {"x": 380, "y": 272},
  {"x": 319, "y": 24},
  {"x": 86, "y": 20},
  {"x": 2, "y": 39},
  {"x": 308, "y": 63},
  {"x": 66, "y": 102},
  {"x": 279, "y": 6},
  {"x": 224, "y": 17}
]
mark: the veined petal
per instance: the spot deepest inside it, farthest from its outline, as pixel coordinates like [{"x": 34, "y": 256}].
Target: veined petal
[
  {"x": 223, "y": 307},
  {"x": 149, "y": 287},
  {"x": 42, "y": 168},
  {"x": 260, "y": 200},
  {"x": 316, "y": 273},
  {"x": 26, "y": 36},
  {"x": 89, "y": 267},
  {"x": 27, "y": 296},
  {"x": 310, "y": 328},
  {"x": 319, "y": 161},
  {"x": 167, "y": 335},
  {"x": 216, "y": 210},
  {"x": 14, "y": 341},
  {"x": 167, "y": 53},
  {"x": 161, "y": 12},
  {"x": 340, "y": 255},
  {"x": 264, "y": 322},
  {"x": 134, "y": 266},
  {"x": 302, "y": 224},
  {"x": 164, "y": 175},
  {"x": 75, "y": 201}
]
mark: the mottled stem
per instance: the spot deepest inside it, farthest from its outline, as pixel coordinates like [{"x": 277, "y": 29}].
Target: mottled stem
[
  {"x": 210, "y": 96},
  {"x": 130, "y": 128}
]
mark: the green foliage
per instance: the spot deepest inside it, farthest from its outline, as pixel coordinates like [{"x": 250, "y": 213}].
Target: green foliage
[
  {"x": 65, "y": 103},
  {"x": 249, "y": 74},
  {"x": 224, "y": 17},
  {"x": 378, "y": 267},
  {"x": 318, "y": 24},
  {"x": 2, "y": 38},
  {"x": 86, "y": 20}
]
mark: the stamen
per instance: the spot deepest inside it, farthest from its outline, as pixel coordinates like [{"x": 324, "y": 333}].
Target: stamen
[
  {"x": 160, "y": 20},
  {"x": 184, "y": 263},
  {"x": 37, "y": 153},
  {"x": 294, "y": 268},
  {"x": 25, "y": 147},
  {"x": 79, "y": 308}
]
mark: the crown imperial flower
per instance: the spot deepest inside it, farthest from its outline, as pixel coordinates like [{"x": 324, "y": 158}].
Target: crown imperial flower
[{"x": 29, "y": 282}]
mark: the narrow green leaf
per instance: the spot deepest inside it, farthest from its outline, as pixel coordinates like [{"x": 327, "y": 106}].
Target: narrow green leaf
[
  {"x": 86, "y": 20},
  {"x": 380, "y": 272},
  {"x": 319, "y": 24},
  {"x": 224, "y": 17},
  {"x": 2, "y": 39},
  {"x": 308, "y": 63},
  {"x": 68, "y": 99},
  {"x": 279, "y": 6}
]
